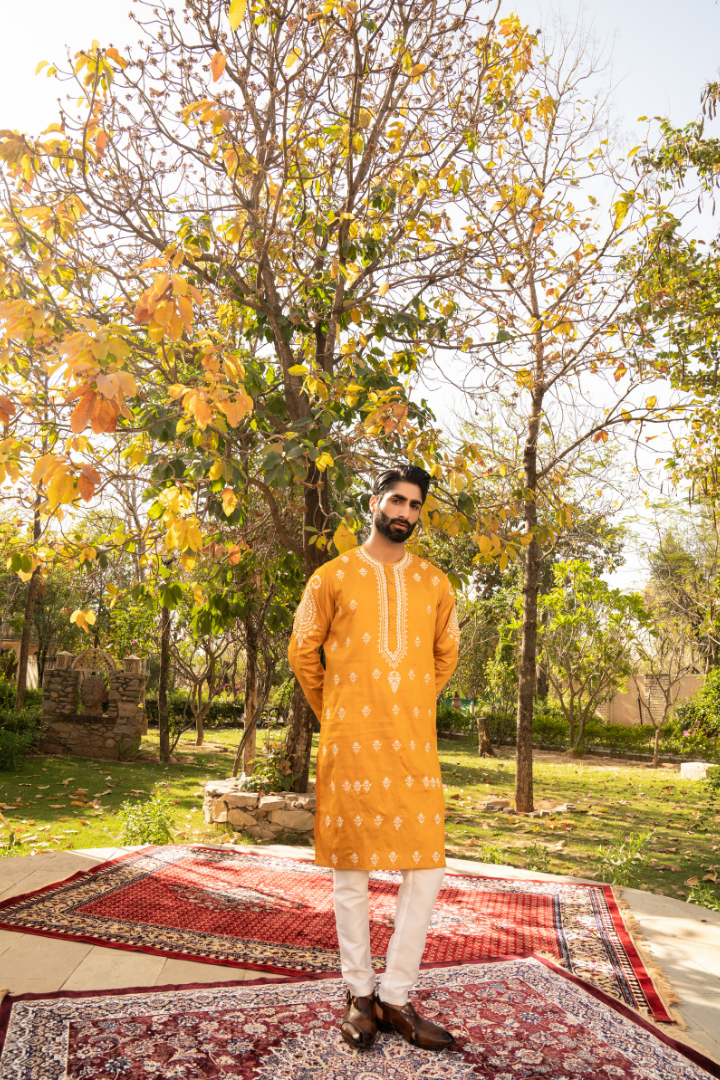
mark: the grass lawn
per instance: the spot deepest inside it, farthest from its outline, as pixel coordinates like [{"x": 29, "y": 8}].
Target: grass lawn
[{"x": 55, "y": 803}]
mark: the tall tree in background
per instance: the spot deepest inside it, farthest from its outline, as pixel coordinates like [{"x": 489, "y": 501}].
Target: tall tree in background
[{"x": 238, "y": 248}]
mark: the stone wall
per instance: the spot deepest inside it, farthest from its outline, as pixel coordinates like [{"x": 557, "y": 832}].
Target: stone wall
[
  {"x": 261, "y": 816},
  {"x": 108, "y": 737}
]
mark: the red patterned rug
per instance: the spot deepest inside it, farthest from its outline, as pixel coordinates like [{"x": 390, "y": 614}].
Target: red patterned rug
[
  {"x": 275, "y": 914},
  {"x": 511, "y": 1019}
]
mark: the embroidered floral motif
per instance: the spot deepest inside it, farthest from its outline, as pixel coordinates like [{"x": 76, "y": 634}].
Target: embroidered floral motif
[
  {"x": 376, "y": 674},
  {"x": 416, "y": 856},
  {"x": 396, "y": 745},
  {"x": 357, "y": 820},
  {"x": 453, "y": 626},
  {"x": 340, "y": 574},
  {"x": 438, "y": 819},
  {"x": 378, "y": 819},
  {"x": 395, "y": 710},
  {"x": 376, "y": 746},
  {"x": 418, "y": 642},
  {"x": 339, "y": 822},
  {"x": 436, "y": 580},
  {"x": 306, "y": 615},
  {"x": 392, "y": 857},
  {"x": 387, "y": 782},
  {"x": 333, "y": 859},
  {"x": 394, "y": 680},
  {"x": 421, "y": 818},
  {"x": 411, "y": 674},
  {"x": 397, "y": 822},
  {"x": 435, "y": 856},
  {"x": 417, "y": 577},
  {"x": 423, "y": 566},
  {"x": 352, "y": 605},
  {"x": 392, "y": 656},
  {"x": 366, "y": 710},
  {"x": 356, "y": 747},
  {"x": 409, "y": 781},
  {"x": 352, "y": 677},
  {"x": 416, "y": 712},
  {"x": 354, "y": 859},
  {"x": 366, "y": 637},
  {"x": 412, "y": 744},
  {"x": 346, "y": 785},
  {"x": 374, "y": 860}
]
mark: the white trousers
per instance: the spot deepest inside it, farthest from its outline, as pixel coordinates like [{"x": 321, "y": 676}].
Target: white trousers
[{"x": 413, "y": 912}]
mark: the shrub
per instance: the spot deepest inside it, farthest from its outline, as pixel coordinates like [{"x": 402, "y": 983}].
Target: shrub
[
  {"x": 704, "y": 896},
  {"x": 550, "y": 728},
  {"x": 147, "y": 822},
  {"x": 19, "y": 730},
  {"x": 623, "y": 862},
  {"x": 449, "y": 719}
]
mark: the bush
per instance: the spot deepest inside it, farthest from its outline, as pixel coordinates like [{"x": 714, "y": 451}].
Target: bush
[
  {"x": 147, "y": 822},
  {"x": 19, "y": 730},
  {"x": 623, "y": 863},
  {"x": 449, "y": 719},
  {"x": 550, "y": 728},
  {"x": 272, "y": 771}
]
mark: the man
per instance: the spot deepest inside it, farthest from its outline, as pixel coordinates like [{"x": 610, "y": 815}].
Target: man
[{"x": 387, "y": 623}]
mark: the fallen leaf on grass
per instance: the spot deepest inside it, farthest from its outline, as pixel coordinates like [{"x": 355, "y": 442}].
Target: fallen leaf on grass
[
  {"x": 711, "y": 877},
  {"x": 75, "y": 802},
  {"x": 83, "y": 822},
  {"x": 692, "y": 881},
  {"x": 9, "y": 806},
  {"x": 58, "y": 806},
  {"x": 42, "y": 787},
  {"x": 68, "y": 780},
  {"x": 99, "y": 794}
]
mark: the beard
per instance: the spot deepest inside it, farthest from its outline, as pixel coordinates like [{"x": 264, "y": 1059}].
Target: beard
[{"x": 394, "y": 529}]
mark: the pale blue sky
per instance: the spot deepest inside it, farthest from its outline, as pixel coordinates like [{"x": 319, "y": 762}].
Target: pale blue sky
[{"x": 663, "y": 51}]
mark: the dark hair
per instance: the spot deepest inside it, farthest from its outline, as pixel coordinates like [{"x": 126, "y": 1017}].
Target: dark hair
[{"x": 410, "y": 474}]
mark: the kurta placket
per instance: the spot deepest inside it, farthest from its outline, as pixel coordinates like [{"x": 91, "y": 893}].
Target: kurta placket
[{"x": 390, "y": 637}]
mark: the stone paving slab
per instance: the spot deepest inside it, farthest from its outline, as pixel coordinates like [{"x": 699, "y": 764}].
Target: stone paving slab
[{"x": 683, "y": 938}]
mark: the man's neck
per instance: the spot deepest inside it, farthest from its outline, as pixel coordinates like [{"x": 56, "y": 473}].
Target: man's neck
[{"x": 384, "y": 550}]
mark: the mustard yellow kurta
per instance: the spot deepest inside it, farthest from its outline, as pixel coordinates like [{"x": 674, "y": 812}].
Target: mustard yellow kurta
[{"x": 390, "y": 635}]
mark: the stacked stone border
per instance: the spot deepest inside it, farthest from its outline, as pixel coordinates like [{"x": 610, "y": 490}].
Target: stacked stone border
[{"x": 262, "y": 817}]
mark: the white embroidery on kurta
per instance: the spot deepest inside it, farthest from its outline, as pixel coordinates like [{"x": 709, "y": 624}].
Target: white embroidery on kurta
[
  {"x": 347, "y": 642},
  {"x": 429, "y": 609},
  {"x": 324, "y": 750},
  {"x": 352, "y": 677},
  {"x": 387, "y": 782},
  {"x": 396, "y": 745},
  {"x": 366, "y": 786},
  {"x": 423, "y": 566},
  {"x": 378, "y": 819},
  {"x": 427, "y": 678},
  {"x": 306, "y": 614},
  {"x": 336, "y": 679},
  {"x": 435, "y": 856},
  {"x": 366, "y": 710},
  {"x": 327, "y": 821},
  {"x": 338, "y": 822},
  {"x": 332, "y": 786},
  {"x": 363, "y": 571},
  {"x": 395, "y": 710},
  {"x": 376, "y": 674},
  {"x": 397, "y": 822},
  {"x": 436, "y": 580},
  {"x": 333, "y": 859},
  {"x": 453, "y": 627},
  {"x": 340, "y": 574},
  {"x": 374, "y": 860},
  {"x": 438, "y": 819},
  {"x": 417, "y": 577},
  {"x": 333, "y": 647},
  {"x": 366, "y": 637},
  {"x": 412, "y": 745},
  {"x": 426, "y": 781},
  {"x": 341, "y": 712},
  {"x": 356, "y": 747},
  {"x": 394, "y": 680},
  {"x": 392, "y": 857},
  {"x": 392, "y": 656},
  {"x": 334, "y": 749},
  {"x": 416, "y": 856},
  {"x": 411, "y": 674},
  {"x": 357, "y": 821},
  {"x": 346, "y": 785},
  {"x": 421, "y": 818},
  {"x": 427, "y": 747},
  {"x": 409, "y": 781},
  {"x": 345, "y": 558},
  {"x": 418, "y": 642},
  {"x": 376, "y": 746},
  {"x": 353, "y": 859},
  {"x": 416, "y": 712},
  {"x": 352, "y": 605}
]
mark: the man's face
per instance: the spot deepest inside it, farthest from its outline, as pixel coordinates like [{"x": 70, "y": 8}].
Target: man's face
[{"x": 396, "y": 512}]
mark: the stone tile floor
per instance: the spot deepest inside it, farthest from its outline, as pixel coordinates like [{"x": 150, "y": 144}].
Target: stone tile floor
[{"x": 683, "y": 939}]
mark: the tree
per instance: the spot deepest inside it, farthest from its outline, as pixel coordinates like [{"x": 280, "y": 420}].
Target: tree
[
  {"x": 666, "y": 654},
  {"x": 542, "y": 307},
  {"x": 587, "y": 641},
  {"x": 237, "y": 251}
]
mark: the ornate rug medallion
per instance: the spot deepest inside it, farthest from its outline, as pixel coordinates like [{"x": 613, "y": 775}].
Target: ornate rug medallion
[
  {"x": 275, "y": 914},
  {"x": 511, "y": 1020}
]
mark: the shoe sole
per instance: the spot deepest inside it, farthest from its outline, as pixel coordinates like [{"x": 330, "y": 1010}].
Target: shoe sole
[{"x": 389, "y": 1029}]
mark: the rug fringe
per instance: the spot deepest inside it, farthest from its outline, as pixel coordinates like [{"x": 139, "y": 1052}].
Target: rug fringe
[{"x": 661, "y": 982}]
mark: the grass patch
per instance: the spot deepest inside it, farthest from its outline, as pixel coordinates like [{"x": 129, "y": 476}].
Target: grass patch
[{"x": 620, "y": 800}]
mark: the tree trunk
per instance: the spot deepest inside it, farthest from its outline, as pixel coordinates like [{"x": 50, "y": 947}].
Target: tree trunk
[
  {"x": 484, "y": 747},
  {"x": 302, "y": 720},
  {"x": 656, "y": 749},
  {"x": 33, "y": 586},
  {"x": 200, "y": 713},
  {"x": 163, "y": 723},
  {"x": 251, "y": 654},
  {"x": 531, "y": 579}
]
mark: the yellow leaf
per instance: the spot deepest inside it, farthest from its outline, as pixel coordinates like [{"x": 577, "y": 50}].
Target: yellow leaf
[
  {"x": 237, "y": 408},
  {"x": 485, "y": 544},
  {"x": 692, "y": 881},
  {"x": 83, "y": 619},
  {"x": 217, "y": 66},
  {"x": 198, "y": 597},
  {"x": 526, "y": 539},
  {"x": 236, "y": 13},
  {"x": 293, "y": 57},
  {"x": 502, "y": 561},
  {"x": 229, "y": 501},
  {"x": 41, "y": 65},
  {"x": 323, "y": 460},
  {"x": 384, "y": 288},
  {"x": 417, "y": 71},
  {"x": 344, "y": 538},
  {"x": 651, "y": 402},
  {"x": 215, "y": 471}
]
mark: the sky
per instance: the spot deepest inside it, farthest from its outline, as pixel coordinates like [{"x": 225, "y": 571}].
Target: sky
[{"x": 660, "y": 55}]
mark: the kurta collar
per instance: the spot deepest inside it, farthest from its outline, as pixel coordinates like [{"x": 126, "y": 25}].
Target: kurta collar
[{"x": 406, "y": 559}]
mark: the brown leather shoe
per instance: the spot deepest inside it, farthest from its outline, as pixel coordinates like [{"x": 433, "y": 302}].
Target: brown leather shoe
[
  {"x": 413, "y": 1027},
  {"x": 358, "y": 1027}
]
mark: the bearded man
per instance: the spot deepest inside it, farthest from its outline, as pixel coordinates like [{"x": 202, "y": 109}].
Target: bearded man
[{"x": 386, "y": 621}]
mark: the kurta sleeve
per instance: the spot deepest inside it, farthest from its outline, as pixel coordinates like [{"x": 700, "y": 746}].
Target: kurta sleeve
[
  {"x": 447, "y": 638},
  {"x": 312, "y": 622}
]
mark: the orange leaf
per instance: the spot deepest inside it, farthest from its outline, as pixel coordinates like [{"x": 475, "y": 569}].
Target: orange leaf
[
  {"x": 235, "y": 554},
  {"x": 91, "y": 473},
  {"x": 217, "y": 66},
  {"x": 85, "y": 487},
  {"x": 602, "y": 436},
  {"x": 82, "y": 411},
  {"x": 7, "y": 409},
  {"x": 104, "y": 417},
  {"x": 185, "y": 311},
  {"x": 237, "y": 408}
]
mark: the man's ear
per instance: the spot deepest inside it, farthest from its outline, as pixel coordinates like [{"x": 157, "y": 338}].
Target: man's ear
[{"x": 373, "y": 503}]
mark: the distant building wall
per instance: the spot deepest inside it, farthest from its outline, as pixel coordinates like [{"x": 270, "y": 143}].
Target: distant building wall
[{"x": 630, "y": 708}]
